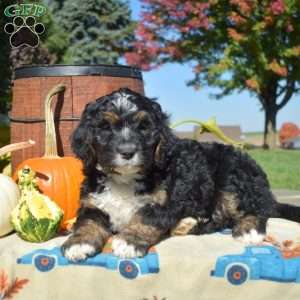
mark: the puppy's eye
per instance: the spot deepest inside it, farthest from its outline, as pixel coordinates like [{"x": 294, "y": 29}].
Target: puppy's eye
[
  {"x": 144, "y": 125},
  {"x": 105, "y": 126}
]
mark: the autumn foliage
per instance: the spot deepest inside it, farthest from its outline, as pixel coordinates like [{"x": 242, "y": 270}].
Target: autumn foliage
[
  {"x": 234, "y": 45},
  {"x": 178, "y": 30},
  {"x": 288, "y": 130},
  {"x": 9, "y": 289}
]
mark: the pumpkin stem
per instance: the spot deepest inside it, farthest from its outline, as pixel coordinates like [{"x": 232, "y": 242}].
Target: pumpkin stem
[
  {"x": 50, "y": 134},
  {"x": 16, "y": 146}
]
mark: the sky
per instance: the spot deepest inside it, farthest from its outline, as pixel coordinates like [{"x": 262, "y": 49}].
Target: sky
[{"x": 168, "y": 84}]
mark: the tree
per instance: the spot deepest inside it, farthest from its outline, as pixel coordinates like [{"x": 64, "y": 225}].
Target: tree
[
  {"x": 55, "y": 38},
  {"x": 55, "y": 5},
  {"x": 235, "y": 45},
  {"x": 99, "y": 30}
]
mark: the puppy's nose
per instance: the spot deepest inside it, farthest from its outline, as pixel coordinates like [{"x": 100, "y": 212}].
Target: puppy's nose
[{"x": 127, "y": 150}]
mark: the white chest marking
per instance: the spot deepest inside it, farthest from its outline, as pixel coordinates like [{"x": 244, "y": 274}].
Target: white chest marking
[{"x": 119, "y": 201}]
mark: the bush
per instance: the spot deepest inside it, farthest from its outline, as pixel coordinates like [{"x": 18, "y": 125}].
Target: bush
[
  {"x": 288, "y": 130},
  {"x": 4, "y": 135}
]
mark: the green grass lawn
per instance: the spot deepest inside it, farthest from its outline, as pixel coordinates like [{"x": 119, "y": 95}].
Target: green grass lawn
[
  {"x": 281, "y": 166},
  {"x": 251, "y": 133}
]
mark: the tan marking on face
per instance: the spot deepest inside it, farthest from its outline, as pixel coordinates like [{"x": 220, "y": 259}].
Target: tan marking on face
[
  {"x": 139, "y": 116},
  {"x": 111, "y": 117}
]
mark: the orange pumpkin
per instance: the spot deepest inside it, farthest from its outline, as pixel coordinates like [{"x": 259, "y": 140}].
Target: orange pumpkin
[{"x": 57, "y": 177}]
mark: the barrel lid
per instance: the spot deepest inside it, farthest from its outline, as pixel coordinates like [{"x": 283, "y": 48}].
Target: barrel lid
[{"x": 77, "y": 70}]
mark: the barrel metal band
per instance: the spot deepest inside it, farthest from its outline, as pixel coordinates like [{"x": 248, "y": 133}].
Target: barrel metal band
[
  {"x": 79, "y": 70},
  {"x": 40, "y": 120}
]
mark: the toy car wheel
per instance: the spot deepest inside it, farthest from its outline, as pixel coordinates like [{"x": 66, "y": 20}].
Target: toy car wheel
[
  {"x": 44, "y": 263},
  {"x": 128, "y": 269},
  {"x": 237, "y": 274}
]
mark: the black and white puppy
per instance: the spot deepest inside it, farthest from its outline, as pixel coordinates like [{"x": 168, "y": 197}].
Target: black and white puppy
[{"x": 142, "y": 183}]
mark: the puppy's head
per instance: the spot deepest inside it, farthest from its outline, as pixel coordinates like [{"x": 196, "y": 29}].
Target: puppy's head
[{"x": 120, "y": 133}]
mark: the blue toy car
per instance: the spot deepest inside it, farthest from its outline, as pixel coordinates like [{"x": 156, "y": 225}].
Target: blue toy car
[
  {"x": 258, "y": 262},
  {"x": 46, "y": 259}
]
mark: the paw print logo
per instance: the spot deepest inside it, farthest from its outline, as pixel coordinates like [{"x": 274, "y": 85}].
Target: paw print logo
[{"x": 24, "y": 31}]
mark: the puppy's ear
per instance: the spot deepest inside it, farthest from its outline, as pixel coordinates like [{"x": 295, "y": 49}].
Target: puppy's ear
[
  {"x": 166, "y": 137},
  {"x": 159, "y": 114},
  {"x": 82, "y": 138}
]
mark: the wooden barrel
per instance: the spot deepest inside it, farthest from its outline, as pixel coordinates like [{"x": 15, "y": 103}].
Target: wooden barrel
[{"x": 84, "y": 83}]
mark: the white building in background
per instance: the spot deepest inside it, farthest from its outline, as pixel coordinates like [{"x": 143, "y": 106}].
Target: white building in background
[{"x": 292, "y": 143}]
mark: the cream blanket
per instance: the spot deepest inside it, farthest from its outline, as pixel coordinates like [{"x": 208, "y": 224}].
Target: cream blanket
[{"x": 189, "y": 267}]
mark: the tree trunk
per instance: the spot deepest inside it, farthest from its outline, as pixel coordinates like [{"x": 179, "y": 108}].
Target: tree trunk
[
  {"x": 270, "y": 134},
  {"x": 269, "y": 97}
]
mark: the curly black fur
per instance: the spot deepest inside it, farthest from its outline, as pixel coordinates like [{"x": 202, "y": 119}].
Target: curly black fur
[
  {"x": 214, "y": 182},
  {"x": 85, "y": 145}
]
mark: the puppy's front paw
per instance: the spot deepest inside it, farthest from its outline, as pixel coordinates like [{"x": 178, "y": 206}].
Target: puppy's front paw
[
  {"x": 251, "y": 238},
  {"x": 124, "y": 249},
  {"x": 77, "y": 251}
]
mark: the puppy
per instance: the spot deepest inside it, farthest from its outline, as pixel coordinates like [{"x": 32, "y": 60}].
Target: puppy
[{"x": 141, "y": 181}]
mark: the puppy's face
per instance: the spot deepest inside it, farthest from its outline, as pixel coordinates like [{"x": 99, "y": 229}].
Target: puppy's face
[
  {"x": 125, "y": 130},
  {"x": 125, "y": 136}
]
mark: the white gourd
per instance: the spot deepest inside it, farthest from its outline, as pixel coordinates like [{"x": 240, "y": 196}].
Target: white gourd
[
  {"x": 9, "y": 190},
  {"x": 9, "y": 196}
]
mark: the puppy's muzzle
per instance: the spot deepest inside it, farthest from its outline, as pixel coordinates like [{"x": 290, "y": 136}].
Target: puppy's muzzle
[{"x": 127, "y": 150}]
